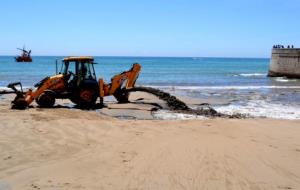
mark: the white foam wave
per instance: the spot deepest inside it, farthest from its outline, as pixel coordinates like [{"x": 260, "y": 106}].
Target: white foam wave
[
  {"x": 252, "y": 74},
  {"x": 5, "y": 88},
  {"x": 260, "y": 108},
  {"x": 168, "y": 115},
  {"x": 17, "y": 87},
  {"x": 282, "y": 79},
  {"x": 207, "y": 87},
  {"x": 224, "y": 87}
]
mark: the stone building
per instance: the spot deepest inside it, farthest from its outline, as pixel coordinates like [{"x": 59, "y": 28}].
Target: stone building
[{"x": 285, "y": 62}]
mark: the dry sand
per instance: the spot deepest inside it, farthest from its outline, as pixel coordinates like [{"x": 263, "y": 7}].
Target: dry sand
[{"x": 73, "y": 149}]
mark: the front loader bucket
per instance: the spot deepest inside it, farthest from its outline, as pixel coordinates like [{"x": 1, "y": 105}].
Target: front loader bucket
[{"x": 19, "y": 102}]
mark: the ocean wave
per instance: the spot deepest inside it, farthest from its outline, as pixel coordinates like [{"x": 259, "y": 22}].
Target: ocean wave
[
  {"x": 168, "y": 115},
  {"x": 282, "y": 79},
  {"x": 17, "y": 87},
  {"x": 223, "y": 87},
  {"x": 5, "y": 88},
  {"x": 209, "y": 87},
  {"x": 252, "y": 74},
  {"x": 260, "y": 108},
  {"x": 257, "y": 109},
  {"x": 197, "y": 58}
]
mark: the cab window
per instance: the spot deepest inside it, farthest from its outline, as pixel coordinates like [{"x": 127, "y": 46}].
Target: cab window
[{"x": 86, "y": 71}]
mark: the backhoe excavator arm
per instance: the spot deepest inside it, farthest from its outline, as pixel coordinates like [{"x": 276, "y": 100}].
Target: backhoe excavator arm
[{"x": 119, "y": 82}]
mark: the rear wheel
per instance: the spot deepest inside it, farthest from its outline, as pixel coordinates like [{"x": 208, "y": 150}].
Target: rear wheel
[
  {"x": 46, "y": 100},
  {"x": 87, "y": 98}
]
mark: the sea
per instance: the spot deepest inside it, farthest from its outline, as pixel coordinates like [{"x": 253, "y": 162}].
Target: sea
[{"x": 232, "y": 85}]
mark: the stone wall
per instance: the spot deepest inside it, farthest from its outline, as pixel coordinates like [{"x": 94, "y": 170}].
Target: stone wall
[{"x": 285, "y": 62}]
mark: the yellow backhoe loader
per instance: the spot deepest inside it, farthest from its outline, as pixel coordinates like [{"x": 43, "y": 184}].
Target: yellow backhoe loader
[{"x": 76, "y": 81}]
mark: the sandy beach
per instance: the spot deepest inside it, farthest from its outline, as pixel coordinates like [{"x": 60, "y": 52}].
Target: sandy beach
[
  {"x": 67, "y": 148},
  {"x": 150, "y": 95}
]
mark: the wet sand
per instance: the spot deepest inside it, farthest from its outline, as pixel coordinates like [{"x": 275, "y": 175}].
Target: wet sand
[{"x": 124, "y": 147}]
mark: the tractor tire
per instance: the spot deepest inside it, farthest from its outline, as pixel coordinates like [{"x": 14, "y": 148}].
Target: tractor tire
[
  {"x": 86, "y": 98},
  {"x": 46, "y": 99}
]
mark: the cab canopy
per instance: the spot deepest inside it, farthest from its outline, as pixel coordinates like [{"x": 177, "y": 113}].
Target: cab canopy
[
  {"x": 81, "y": 67},
  {"x": 79, "y": 59}
]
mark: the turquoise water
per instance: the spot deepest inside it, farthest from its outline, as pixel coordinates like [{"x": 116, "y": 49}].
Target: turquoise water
[
  {"x": 155, "y": 71},
  {"x": 241, "y": 83}
]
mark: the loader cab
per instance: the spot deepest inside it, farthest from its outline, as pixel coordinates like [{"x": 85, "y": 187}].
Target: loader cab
[
  {"x": 81, "y": 84},
  {"x": 78, "y": 70}
]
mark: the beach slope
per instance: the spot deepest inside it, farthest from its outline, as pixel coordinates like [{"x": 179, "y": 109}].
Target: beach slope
[{"x": 73, "y": 149}]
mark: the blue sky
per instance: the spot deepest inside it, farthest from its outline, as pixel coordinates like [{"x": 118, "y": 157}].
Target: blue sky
[{"x": 231, "y": 28}]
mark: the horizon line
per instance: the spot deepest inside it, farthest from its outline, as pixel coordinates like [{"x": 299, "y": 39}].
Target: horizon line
[{"x": 141, "y": 56}]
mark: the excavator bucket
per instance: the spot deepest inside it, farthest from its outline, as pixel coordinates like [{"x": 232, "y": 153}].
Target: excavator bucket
[{"x": 19, "y": 102}]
